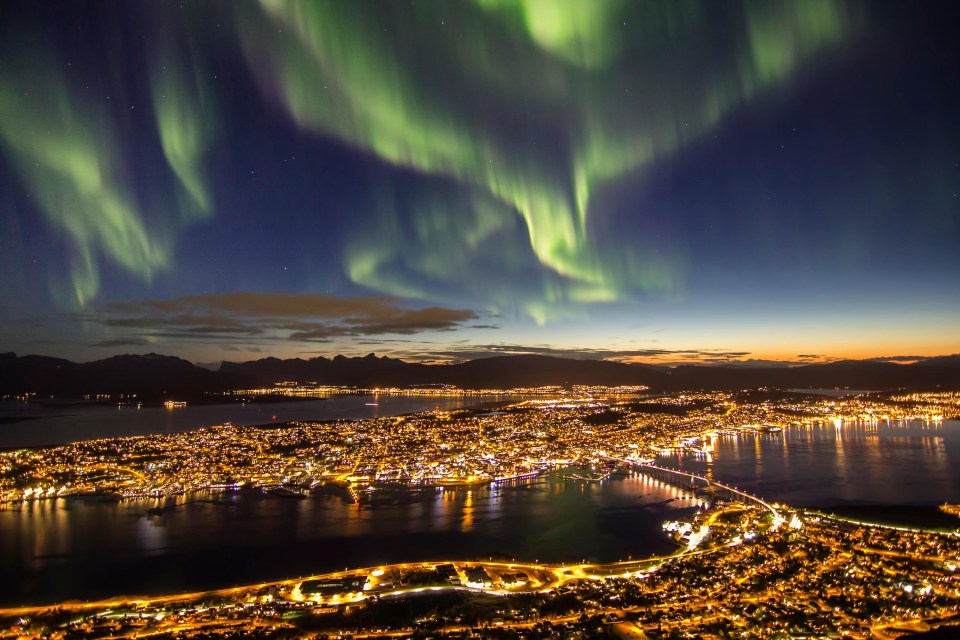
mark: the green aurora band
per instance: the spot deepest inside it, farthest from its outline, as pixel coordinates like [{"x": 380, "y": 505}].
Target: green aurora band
[
  {"x": 69, "y": 158},
  {"x": 516, "y": 116},
  {"x": 185, "y": 127},
  {"x": 70, "y": 154},
  {"x": 531, "y": 108},
  {"x": 580, "y": 32}
]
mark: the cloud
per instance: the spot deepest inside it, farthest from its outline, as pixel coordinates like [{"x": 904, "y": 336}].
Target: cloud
[
  {"x": 122, "y": 342},
  {"x": 245, "y": 316},
  {"x": 658, "y": 356}
]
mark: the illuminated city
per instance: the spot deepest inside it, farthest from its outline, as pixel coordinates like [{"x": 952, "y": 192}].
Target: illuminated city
[
  {"x": 587, "y": 428},
  {"x": 741, "y": 564}
]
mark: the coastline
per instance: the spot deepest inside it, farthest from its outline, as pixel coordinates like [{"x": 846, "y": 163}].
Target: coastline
[{"x": 925, "y": 517}]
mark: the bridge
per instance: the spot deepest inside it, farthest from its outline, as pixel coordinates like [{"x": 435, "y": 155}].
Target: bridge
[
  {"x": 671, "y": 475},
  {"x": 542, "y": 577}
]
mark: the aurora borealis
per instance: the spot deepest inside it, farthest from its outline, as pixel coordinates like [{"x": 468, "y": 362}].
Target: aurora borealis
[{"x": 669, "y": 181}]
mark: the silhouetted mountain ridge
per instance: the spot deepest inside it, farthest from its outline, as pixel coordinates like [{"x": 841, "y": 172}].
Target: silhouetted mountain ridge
[
  {"x": 154, "y": 375},
  {"x": 149, "y": 376}
]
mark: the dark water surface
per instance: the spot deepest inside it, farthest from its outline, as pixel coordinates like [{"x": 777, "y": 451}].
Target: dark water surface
[
  {"x": 34, "y": 424},
  {"x": 62, "y": 549},
  {"x": 65, "y": 549}
]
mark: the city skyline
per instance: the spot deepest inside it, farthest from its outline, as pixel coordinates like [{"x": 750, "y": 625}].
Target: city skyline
[{"x": 663, "y": 183}]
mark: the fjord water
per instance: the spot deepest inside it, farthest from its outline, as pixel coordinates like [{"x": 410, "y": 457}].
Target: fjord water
[
  {"x": 62, "y": 549},
  {"x": 893, "y": 463},
  {"x": 65, "y": 549},
  {"x": 34, "y": 424}
]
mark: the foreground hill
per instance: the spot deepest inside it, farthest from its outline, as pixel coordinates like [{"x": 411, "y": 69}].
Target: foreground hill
[{"x": 153, "y": 376}]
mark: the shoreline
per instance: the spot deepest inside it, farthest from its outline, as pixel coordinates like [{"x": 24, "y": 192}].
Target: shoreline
[
  {"x": 920, "y": 517},
  {"x": 560, "y": 571}
]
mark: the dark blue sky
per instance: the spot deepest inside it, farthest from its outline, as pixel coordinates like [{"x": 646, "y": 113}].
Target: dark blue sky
[{"x": 665, "y": 182}]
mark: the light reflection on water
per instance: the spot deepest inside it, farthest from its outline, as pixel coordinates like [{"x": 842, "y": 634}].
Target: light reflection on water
[
  {"x": 885, "y": 463},
  {"x": 60, "y": 549},
  {"x": 56, "y": 549}
]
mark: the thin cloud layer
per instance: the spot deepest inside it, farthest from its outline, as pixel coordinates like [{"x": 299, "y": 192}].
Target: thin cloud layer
[
  {"x": 653, "y": 356},
  {"x": 269, "y": 316}
]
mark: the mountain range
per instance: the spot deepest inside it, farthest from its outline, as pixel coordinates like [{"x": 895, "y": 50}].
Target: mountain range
[{"x": 154, "y": 376}]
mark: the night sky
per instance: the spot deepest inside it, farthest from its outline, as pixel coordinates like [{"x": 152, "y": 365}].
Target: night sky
[{"x": 441, "y": 180}]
